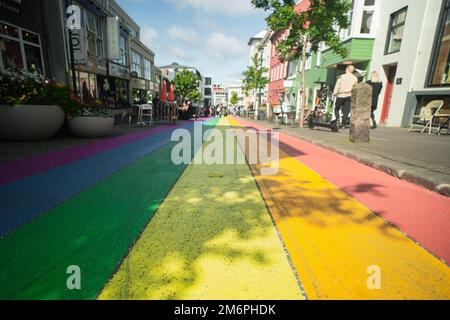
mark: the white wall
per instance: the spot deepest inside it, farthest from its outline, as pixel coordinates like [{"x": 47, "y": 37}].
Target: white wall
[{"x": 414, "y": 58}]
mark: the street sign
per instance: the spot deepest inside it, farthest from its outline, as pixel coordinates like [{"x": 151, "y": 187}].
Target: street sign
[{"x": 113, "y": 38}]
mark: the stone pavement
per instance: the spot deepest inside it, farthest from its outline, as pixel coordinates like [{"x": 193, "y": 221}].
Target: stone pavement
[{"x": 418, "y": 158}]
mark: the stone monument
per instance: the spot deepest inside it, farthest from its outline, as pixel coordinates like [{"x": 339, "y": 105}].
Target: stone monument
[{"x": 361, "y": 111}]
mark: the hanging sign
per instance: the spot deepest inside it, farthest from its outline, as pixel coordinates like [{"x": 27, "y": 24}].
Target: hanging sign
[
  {"x": 113, "y": 38},
  {"x": 79, "y": 46}
]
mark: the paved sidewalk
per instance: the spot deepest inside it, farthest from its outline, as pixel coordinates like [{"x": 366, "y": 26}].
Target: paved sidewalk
[{"x": 418, "y": 158}]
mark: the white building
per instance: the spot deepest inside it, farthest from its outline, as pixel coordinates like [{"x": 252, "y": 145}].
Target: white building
[
  {"x": 207, "y": 91},
  {"x": 412, "y": 55},
  {"x": 220, "y": 96},
  {"x": 235, "y": 86},
  {"x": 259, "y": 45}
]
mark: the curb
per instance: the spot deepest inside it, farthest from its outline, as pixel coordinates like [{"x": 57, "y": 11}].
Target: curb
[{"x": 443, "y": 189}]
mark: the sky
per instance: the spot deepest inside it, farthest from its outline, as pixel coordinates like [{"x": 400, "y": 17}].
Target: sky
[{"x": 211, "y": 35}]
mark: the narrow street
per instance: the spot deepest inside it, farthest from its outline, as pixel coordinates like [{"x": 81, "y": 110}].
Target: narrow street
[{"x": 141, "y": 227}]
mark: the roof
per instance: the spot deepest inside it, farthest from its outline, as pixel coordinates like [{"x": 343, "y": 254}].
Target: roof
[{"x": 259, "y": 36}]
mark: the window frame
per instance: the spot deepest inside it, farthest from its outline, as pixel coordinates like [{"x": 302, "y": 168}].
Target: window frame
[
  {"x": 437, "y": 43},
  {"x": 133, "y": 64},
  {"x": 391, "y": 27},
  {"x": 22, "y": 44}
]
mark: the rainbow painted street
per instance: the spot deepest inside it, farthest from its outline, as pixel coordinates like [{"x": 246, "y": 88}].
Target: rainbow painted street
[{"x": 137, "y": 226}]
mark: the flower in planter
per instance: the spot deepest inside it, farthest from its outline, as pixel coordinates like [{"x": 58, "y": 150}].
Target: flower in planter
[{"x": 21, "y": 87}]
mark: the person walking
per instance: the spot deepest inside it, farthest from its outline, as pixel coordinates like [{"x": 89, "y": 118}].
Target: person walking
[
  {"x": 343, "y": 95},
  {"x": 377, "y": 87}
]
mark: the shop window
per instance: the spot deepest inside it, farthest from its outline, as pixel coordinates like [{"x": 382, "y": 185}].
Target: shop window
[
  {"x": 11, "y": 54},
  {"x": 396, "y": 30},
  {"x": 20, "y": 49},
  {"x": 440, "y": 70}
]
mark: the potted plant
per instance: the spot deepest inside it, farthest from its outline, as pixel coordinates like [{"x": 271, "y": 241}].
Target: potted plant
[
  {"x": 27, "y": 112},
  {"x": 92, "y": 119}
]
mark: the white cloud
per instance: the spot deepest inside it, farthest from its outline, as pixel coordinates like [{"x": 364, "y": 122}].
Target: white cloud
[
  {"x": 223, "y": 7},
  {"x": 179, "y": 53},
  {"x": 149, "y": 37},
  {"x": 186, "y": 35},
  {"x": 221, "y": 46}
]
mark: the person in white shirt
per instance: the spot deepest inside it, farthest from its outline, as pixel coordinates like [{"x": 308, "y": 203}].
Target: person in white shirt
[{"x": 343, "y": 95}]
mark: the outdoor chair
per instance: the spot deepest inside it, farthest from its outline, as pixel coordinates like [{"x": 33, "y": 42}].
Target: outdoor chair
[
  {"x": 425, "y": 117},
  {"x": 146, "y": 112},
  {"x": 442, "y": 119}
]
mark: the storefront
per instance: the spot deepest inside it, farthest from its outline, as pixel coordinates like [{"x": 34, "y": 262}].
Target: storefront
[
  {"x": 120, "y": 83},
  {"x": 412, "y": 55},
  {"x": 23, "y": 36},
  {"x": 143, "y": 91}
]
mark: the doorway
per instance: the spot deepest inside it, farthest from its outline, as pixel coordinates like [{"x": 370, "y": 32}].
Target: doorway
[{"x": 391, "y": 73}]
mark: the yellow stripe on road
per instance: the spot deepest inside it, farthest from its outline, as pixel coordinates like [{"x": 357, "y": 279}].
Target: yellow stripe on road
[
  {"x": 211, "y": 239},
  {"x": 337, "y": 244}
]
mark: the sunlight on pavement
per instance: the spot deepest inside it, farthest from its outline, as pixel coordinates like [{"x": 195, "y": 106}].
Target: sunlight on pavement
[
  {"x": 223, "y": 246},
  {"x": 333, "y": 239}
]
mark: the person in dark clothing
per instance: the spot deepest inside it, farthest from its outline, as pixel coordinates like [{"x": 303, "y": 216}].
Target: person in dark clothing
[{"x": 377, "y": 87}]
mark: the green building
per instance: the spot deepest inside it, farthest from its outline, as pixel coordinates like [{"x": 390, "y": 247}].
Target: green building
[{"x": 325, "y": 66}]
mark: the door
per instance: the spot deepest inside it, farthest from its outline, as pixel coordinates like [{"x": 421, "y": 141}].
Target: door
[{"x": 392, "y": 71}]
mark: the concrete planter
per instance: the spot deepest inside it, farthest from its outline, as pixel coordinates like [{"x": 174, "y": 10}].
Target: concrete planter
[
  {"x": 91, "y": 127},
  {"x": 30, "y": 122}
]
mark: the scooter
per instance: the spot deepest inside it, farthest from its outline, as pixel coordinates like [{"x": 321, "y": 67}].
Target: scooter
[{"x": 320, "y": 118}]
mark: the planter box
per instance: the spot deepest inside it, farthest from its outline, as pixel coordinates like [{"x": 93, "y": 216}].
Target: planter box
[
  {"x": 91, "y": 127},
  {"x": 30, "y": 122}
]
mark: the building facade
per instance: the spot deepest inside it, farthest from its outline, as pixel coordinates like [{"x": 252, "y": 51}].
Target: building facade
[
  {"x": 325, "y": 66},
  {"x": 235, "y": 86},
  {"x": 31, "y": 38},
  {"x": 220, "y": 96},
  {"x": 412, "y": 55},
  {"x": 258, "y": 47},
  {"x": 142, "y": 73},
  {"x": 207, "y": 91},
  {"x": 277, "y": 71},
  {"x": 34, "y": 36}
]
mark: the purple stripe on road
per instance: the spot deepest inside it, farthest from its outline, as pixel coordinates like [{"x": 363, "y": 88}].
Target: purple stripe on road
[{"x": 21, "y": 169}]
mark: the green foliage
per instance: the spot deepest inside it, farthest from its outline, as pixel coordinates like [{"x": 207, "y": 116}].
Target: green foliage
[
  {"x": 320, "y": 23},
  {"x": 253, "y": 77},
  {"x": 234, "y": 98},
  {"x": 187, "y": 86}
]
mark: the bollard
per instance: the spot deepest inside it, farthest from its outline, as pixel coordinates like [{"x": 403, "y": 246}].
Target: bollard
[{"x": 360, "y": 113}]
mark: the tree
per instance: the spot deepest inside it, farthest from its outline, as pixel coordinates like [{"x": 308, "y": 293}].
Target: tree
[
  {"x": 321, "y": 23},
  {"x": 234, "y": 98},
  {"x": 254, "y": 79},
  {"x": 187, "y": 86}
]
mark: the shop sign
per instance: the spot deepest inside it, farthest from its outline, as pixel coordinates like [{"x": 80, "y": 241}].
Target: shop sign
[
  {"x": 118, "y": 71},
  {"x": 79, "y": 46},
  {"x": 113, "y": 38},
  {"x": 138, "y": 84},
  {"x": 13, "y": 6},
  {"x": 93, "y": 65}
]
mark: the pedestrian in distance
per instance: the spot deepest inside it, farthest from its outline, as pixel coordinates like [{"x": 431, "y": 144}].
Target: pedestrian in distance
[
  {"x": 377, "y": 87},
  {"x": 343, "y": 95}
]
